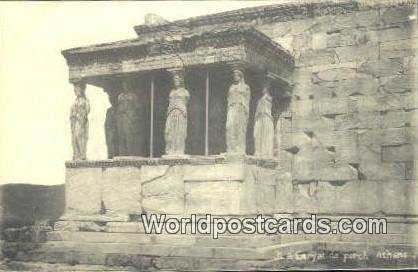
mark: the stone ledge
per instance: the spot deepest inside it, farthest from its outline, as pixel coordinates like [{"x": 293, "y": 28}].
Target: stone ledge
[
  {"x": 94, "y": 218},
  {"x": 270, "y": 163}
]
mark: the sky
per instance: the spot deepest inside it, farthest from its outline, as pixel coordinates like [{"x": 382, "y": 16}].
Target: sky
[{"x": 35, "y": 95}]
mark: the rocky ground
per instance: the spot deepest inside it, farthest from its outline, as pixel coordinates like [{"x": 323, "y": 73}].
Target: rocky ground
[{"x": 8, "y": 265}]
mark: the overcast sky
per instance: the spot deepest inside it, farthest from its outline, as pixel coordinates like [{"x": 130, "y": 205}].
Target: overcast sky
[{"x": 35, "y": 95}]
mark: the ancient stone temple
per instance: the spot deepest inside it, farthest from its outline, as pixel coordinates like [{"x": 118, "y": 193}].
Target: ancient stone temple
[
  {"x": 184, "y": 104},
  {"x": 276, "y": 110}
]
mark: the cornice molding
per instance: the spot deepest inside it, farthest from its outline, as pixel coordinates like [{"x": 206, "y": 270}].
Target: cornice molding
[
  {"x": 274, "y": 13},
  {"x": 219, "y": 38}
]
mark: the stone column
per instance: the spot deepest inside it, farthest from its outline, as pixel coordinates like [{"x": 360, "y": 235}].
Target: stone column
[
  {"x": 79, "y": 121},
  {"x": 111, "y": 132},
  {"x": 238, "y": 107},
  {"x": 264, "y": 124},
  {"x": 176, "y": 123}
]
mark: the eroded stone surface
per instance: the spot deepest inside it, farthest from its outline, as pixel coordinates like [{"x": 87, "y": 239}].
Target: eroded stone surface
[
  {"x": 121, "y": 190},
  {"x": 217, "y": 197},
  {"x": 83, "y": 190},
  {"x": 164, "y": 193}
]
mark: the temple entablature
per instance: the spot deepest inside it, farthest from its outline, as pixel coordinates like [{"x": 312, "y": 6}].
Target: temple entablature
[{"x": 216, "y": 47}]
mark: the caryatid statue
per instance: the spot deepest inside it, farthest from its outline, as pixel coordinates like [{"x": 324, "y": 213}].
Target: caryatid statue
[
  {"x": 176, "y": 123},
  {"x": 264, "y": 125},
  {"x": 237, "y": 114},
  {"x": 80, "y": 122},
  {"x": 128, "y": 122},
  {"x": 111, "y": 131}
]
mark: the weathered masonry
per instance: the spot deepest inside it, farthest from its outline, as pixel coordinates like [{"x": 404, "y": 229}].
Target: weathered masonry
[{"x": 282, "y": 109}]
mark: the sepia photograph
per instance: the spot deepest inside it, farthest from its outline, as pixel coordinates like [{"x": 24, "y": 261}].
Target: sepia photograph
[{"x": 208, "y": 135}]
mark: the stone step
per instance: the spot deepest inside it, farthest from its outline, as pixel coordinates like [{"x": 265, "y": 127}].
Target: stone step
[
  {"x": 82, "y": 261},
  {"x": 249, "y": 241},
  {"x": 97, "y": 253},
  {"x": 146, "y": 258},
  {"x": 125, "y": 227},
  {"x": 159, "y": 250},
  {"x": 371, "y": 238},
  {"x": 205, "y": 264},
  {"x": 143, "y": 263}
]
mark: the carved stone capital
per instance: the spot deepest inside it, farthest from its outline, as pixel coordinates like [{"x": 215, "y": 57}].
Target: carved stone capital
[
  {"x": 238, "y": 66},
  {"x": 178, "y": 71},
  {"x": 76, "y": 81},
  {"x": 267, "y": 80}
]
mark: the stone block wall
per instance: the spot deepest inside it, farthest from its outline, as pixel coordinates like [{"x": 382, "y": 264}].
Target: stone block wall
[{"x": 351, "y": 129}]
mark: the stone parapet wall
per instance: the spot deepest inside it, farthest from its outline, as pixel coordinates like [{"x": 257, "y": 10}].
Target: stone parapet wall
[
  {"x": 118, "y": 192},
  {"x": 124, "y": 187}
]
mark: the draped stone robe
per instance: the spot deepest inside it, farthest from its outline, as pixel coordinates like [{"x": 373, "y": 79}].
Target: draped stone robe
[
  {"x": 237, "y": 118},
  {"x": 111, "y": 132},
  {"x": 264, "y": 128},
  {"x": 176, "y": 124},
  {"x": 128, "y": 124},
  {"x": 80, "y": 127}
]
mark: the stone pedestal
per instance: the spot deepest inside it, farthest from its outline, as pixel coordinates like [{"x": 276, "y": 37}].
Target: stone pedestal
[{"x": 130, "y": 186}]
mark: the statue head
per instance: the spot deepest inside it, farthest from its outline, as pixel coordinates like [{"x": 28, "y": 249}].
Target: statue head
[
  {"x": 113, "y": 98},
  {"x": 267, "y": 85},
  {"x": 80, "y": 89},
  {"x": 237, "y": 76},
  {"x": 125, "y": 86},
  {"x": 266, "y": 90},
  {"x": 177, "y": 80}
]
